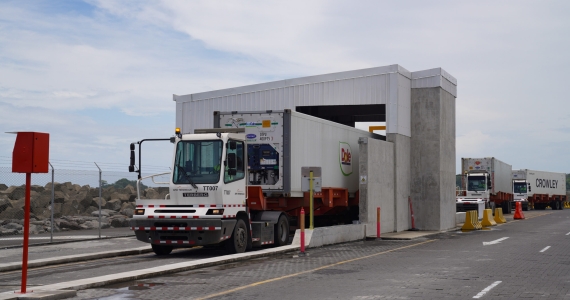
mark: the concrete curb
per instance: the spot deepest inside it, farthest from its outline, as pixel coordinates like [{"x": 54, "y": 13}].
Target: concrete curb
[
  {"x": 74, "y": 258},
  {"x": 44, "y": 295},
  {"x": 152, "y": 272},
  {"x": 68, "y": 241}
]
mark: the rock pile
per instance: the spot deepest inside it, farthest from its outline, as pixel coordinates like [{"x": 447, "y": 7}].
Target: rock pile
[{"x": 75, "y": 207}]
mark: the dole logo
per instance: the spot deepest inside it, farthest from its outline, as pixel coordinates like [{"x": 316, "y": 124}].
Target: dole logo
[
  {"x": 345, "y": 159},
  {"x": 477, "y": 162}
]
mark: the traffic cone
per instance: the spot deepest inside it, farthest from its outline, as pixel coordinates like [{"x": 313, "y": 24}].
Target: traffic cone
[{"x": 518, "y": 211}]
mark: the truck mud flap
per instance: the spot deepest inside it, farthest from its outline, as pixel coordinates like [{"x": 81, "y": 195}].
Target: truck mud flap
[{"x": 262, "y": 233}]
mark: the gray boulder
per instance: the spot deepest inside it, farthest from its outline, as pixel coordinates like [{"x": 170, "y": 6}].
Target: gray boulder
[
  {"x": 95, "y": 202},
  {"x": 5, "y": 204},
  {"x": 120, "y": 196},
  {"x": 104, "y": 213},
  {"x": 68, "y": 225},
  {"x": 12, "y": 213},
  {"x": 119, "y": 221},
  {"x": 114, "y": 204},
  {"x": 3, "y": 187},
  {"x": 151, "y": 193},
  {"x": 16, "y": 192},
  {"x": 60, "y": 197},
  {"x": 37, "y": 188},
  {"x": 69, "y": 209},
  {"x": 7, "y": 232},
  {"x": 14, "y": 226}
]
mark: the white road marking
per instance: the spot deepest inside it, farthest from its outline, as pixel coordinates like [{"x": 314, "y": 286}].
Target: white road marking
[
  {"x": 568, "y": 233},
  {"x": 495, "y": 241},
  {"x": 545, "y": 249},
  {"x": 486, "y": 290},
  {"x": 68, "y": 237}
]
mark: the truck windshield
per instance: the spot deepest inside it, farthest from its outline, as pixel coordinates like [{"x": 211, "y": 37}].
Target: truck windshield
[
  {"x": 197, "y": 162},
  {"x": 476, "y": 183},
  {"x": 519, "y": 187}
]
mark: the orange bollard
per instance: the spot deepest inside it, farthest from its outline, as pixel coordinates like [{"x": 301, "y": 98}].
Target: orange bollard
[
  {"x": 518, "y": 211},
  {"x": 302, "y": 231}
]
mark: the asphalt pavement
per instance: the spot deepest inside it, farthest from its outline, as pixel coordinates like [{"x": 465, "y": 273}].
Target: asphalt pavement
[{"x": 77, "y": 272}]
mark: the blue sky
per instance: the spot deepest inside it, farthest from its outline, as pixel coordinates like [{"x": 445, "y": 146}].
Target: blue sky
[{"x": 98, "y": 75}]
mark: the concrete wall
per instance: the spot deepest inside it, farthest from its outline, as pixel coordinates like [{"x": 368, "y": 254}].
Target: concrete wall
[
  {"x": 433, "y": 158},
  {"x": 323, "y": 236},
  {"x": 402, "y": 178},
  {"x": 376, "y": 169}
]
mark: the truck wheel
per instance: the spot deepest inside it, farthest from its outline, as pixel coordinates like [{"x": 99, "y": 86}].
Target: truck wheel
[
  {"x": 561, "y": 205},
  {"x": 161, "y": 250},
  {"x": 525, "y": 207},
  {"x": 237, "y": 243},
  {"x": 282, "y": 231},
  {"x": 554, "y": 205}
]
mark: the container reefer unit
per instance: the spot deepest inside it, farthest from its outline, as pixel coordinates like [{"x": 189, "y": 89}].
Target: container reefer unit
[
  {"x": 539, "y": 189},
  {"x": 279, "y": 143},
  {"x": 486, "y": 179}
]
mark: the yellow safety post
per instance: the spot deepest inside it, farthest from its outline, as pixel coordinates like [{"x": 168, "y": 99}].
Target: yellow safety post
[
  {"x": 488, "y": 218},
  {"x": 471, "y": 222},
  {"x": 499, "y": 216}
]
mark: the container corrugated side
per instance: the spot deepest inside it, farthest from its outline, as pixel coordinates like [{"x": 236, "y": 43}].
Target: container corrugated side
[
  {"x": 318, "y": 142},
  {"x": 546, "y": 183}
]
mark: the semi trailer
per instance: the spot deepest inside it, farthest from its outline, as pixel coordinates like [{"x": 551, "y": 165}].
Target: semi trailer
[
  {"x": 485, "y": 180},
  {"x": 539, "y": 189},
  {"x": 239, "y": 184}
]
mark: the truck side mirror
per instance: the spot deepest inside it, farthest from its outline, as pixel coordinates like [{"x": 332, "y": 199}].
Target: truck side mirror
[
  {"x": 529, "y": 187},
  {"x": 231, "y": 161},
  {"x": 232, "y": 145}
]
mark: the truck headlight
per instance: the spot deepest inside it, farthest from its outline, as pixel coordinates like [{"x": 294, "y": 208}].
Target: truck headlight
[{"x": 215, "y": 212}]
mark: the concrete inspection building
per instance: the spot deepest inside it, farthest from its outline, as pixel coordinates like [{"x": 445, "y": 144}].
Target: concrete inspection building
[{"x": 416, "y": 160}]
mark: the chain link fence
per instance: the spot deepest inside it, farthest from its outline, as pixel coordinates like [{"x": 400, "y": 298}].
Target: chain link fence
[{"x": 68, "y": 204}]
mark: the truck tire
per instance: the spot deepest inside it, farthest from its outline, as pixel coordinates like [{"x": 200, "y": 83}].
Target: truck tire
[
  {"x": 237, "y": 243},
  {"x": 525, "y": 206},
  {"x": 561, "y": 205},
  {"x": 281, "y": 231},
  {"x": 506, "y": 206},
  {"x": 554, "y": 205},
  {"x": 161, "y": 249}
]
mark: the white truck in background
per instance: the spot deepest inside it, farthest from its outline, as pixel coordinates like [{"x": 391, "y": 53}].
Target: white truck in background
[
  {"x": 539, "y": 189},
  {"x": 485, "y": 180}
]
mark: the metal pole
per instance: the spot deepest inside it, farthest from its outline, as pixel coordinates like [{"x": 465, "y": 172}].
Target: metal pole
[
  {"x": 99, "y": 199},
  {"x": 302, "y": 220},
  {"x": 52, "y": 201},
  {"x": 311, "y": 213},
  {"x": 378, "y": 222},
  {"x": 26, "y": 233}
]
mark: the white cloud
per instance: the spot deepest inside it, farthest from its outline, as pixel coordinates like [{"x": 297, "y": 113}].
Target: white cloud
[{"x": 121, "y": 61}]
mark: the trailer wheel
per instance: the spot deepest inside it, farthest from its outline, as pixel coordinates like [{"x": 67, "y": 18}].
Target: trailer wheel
[
  {"x": 561, "y": 205},
  {"x": 525, "y": 207},
  {"x": 161, "y": 249},
  {"x": 237, "y": 243},
  {"x": 282, "y": 231},
  {"x": 506, "y": 206},
  {"x": 554, "y": 205}
]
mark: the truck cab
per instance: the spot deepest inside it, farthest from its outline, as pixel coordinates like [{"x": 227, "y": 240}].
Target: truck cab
[
  {"x": 521, "y": 190},
  {"x": 207, "y": 200},
  {"x": 477, "y": 190},
  {"x": 208, "y": 203}
]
